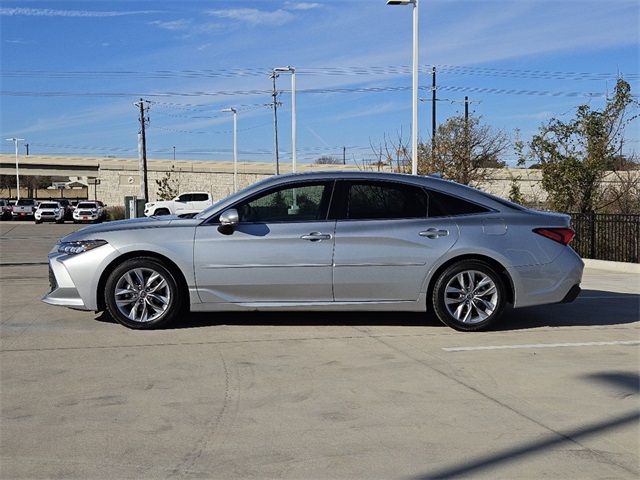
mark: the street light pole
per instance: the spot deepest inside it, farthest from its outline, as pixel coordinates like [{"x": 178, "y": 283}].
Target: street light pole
[
  {"x": 292, "y": 70},
  {"x": 414, "y": 111},
  {"x": 15, "y": 143},
  {"x": 235, "y": 146}
]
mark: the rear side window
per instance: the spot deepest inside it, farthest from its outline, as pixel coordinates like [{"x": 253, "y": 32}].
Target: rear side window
[
  {"x": 199, "y": 197},
  {"x": 443, "y": 205},
  {"x": 385, "y": 200}
]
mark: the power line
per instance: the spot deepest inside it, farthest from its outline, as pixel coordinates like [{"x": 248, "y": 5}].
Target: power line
[
  {"x": 317, "y": 71},
  {"x": 226, "y": 93}
]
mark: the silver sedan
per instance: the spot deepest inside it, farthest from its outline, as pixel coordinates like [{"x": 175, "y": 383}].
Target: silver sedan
[{"x": 324, "y": 241}]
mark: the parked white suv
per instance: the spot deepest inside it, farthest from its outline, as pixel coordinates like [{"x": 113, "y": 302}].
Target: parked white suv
[
  {"x": 49, "y": 212},
  {"x": 189, "y": 202},
  {"x": 89, "y": 212}
]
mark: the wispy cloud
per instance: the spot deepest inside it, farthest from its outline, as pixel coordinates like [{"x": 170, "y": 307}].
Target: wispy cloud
[
  {"x": 49, "y": 12},
  {"x": 253, "y": 16},
  {"x": 302, "y": 6},
  {"x": 172, "y": 25}
]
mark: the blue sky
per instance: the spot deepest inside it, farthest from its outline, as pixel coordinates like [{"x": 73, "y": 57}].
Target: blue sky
[{"x": 72, "y": 70}]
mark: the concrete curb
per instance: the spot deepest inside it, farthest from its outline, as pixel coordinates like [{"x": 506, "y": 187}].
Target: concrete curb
[{"x": 621, "y": 267}]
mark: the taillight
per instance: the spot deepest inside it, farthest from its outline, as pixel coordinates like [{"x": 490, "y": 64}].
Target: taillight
[{"x": 560, "y": 235}]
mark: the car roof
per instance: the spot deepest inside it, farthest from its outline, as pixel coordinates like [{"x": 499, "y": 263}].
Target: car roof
[
  {"x": 435, "y": 183},
  {"x": 441, "y": 185}
]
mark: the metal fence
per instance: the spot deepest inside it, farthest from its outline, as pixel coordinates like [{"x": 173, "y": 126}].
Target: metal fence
[{"x": 607, "y": 236}]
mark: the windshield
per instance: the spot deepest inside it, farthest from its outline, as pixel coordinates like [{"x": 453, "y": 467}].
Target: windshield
[
  {"x": 86, "y": 205},
  {"x": 25, "y": 202},
  {"x": 48, "y": 205}
]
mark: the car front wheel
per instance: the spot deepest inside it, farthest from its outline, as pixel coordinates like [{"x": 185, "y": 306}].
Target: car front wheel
[
  {"x": 142, "y": 293},
  {"x": 469, "y": 296}
]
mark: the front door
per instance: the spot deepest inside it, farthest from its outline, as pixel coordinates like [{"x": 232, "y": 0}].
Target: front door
[{"x": 280, "y": 251}]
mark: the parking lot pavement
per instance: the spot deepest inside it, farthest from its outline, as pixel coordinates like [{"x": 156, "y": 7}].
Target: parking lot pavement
[
  {"x": 552, "y": 393},
  {"x": 25, "y": 242}
]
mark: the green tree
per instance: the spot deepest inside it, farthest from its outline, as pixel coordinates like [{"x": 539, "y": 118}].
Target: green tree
[
  {"x": 168, "y": 186},
  {"x": 575, "y": 155},
  {"x": 463, "y": 150}
]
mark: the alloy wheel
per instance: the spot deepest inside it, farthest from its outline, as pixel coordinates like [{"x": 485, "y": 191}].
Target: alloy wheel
[{"x": 142, "y": 294}]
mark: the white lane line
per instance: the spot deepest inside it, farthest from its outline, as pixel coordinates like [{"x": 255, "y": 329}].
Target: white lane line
[{"x": 542, "y": 345}]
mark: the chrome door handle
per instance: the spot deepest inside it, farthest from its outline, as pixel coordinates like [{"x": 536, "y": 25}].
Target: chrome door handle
[
  {"x": 434, "y": 233},
  {"x": 316, "y": 236}
]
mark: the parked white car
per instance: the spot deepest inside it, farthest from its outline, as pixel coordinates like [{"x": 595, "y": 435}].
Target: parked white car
[
  {"x": 49, "y": 212},
  {"x": 188, "y": 202},
  {"x": 93, "y": 212}
]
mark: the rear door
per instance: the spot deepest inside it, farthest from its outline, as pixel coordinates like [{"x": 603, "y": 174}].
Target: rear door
[{"x": 385, "y": 244}]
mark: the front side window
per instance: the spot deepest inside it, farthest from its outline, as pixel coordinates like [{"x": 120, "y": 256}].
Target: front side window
[
  {"x": 185, "y": 197},
  {"x": 382, "y": 200},
  {"x": 301, "y": 203}
]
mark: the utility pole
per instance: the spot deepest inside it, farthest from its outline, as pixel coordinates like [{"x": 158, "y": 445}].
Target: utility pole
[
  {"x": 274, "y": 75},
  {"x": 174, "y": 153},
  {"x": 433, "y": 111},
  {"x": 142, "y": 148},
  {"x": 344, "y": 155},
  {"x": 15, "y": 143},
  {"x": 466, "y": 129},
  {"x": 466, "y": 110},
  {"x": 26, "y": 146}
]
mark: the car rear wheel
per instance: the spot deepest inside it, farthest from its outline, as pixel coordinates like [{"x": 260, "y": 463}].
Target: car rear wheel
[
  {"x": 469, "y": 296},
  {"x": 142, "y": 293}
]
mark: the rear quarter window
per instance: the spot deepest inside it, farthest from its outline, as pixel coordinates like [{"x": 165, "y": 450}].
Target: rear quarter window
[{"x": 444, "y": 205}]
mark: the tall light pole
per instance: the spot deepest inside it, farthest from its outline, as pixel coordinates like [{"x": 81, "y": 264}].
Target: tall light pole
[
  {"x": 414, "y": 112},
  {"x": 15, "y": 143},
  {"x": 292, "y": 70},
  {"x": 235, "y": 146}
]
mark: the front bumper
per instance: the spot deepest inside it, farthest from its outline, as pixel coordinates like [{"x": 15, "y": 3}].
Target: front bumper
[
  {"x": 86, "y": 218},
  {"x": 48, "y": 218},
  {"x": 74, "y": 278}
]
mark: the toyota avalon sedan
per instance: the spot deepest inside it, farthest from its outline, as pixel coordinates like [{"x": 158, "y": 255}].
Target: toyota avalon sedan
[{"x": 354, "y": 241}]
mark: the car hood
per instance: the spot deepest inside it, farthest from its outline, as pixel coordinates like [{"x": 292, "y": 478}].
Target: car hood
[{"x": 94, "y": 231}]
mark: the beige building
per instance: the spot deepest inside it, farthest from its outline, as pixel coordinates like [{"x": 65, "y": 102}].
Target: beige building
[{"x": 111, "y": 179}]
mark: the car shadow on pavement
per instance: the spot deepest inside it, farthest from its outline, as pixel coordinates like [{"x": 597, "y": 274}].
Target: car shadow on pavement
[{"x": 592, "y": 307}]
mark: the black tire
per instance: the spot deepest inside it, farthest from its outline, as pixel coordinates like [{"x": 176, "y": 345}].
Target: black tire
[
  {"x": 38, "y": 221},
  {"x": 460, "y": 300},
  {"x": 117, "y": 279}
]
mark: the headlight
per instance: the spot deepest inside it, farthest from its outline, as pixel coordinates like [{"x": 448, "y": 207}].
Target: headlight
[
  {"x": 72, "y": 248},
  {"x": 93, "y": 210},
  {"x": 57, "y": 210}
]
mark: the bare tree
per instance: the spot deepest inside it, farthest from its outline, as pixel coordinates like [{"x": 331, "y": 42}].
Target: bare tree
[
  {"x": 463, "y": 150},
  {"x": 328, "y": 160},
  {"x": 392, "y": 153}
]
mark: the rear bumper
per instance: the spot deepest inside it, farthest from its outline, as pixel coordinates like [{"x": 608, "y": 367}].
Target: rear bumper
[
  {"x": 554, "y": 282},
  {"x": 572, "y": 294}
]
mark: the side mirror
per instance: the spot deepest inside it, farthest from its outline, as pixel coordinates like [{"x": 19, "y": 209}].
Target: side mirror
[{"x": 229, "y": 218}]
